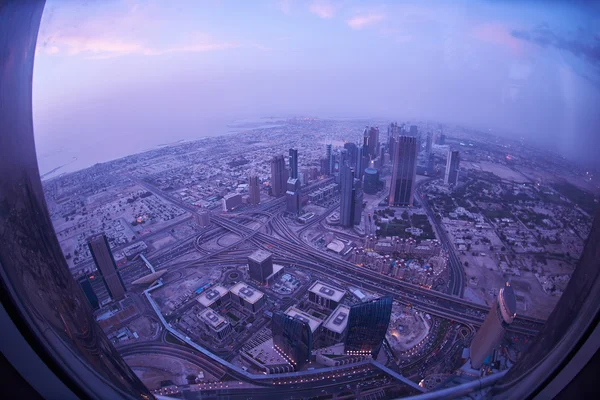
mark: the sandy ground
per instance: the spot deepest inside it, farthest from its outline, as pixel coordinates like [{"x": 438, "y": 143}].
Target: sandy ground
[
  {"x": 152, "y": 369},
  {"x": 499, "y": 170}
]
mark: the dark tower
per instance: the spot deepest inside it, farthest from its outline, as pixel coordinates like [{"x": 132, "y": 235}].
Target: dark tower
[
  {"x": 293, "y": 338},
  {"x": 107, "y": 267},
  {"x": 367, "y": 325},
  {"x": 404, "y": 172}
]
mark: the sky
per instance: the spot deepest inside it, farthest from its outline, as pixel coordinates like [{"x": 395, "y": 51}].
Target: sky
[{"x": 115, "y": 77}]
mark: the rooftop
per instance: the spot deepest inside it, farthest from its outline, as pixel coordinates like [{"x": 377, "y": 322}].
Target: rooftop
[
  {"x": 338, "y": 319},
  {"x": 509, "y": 298},
  {"x": 211, "y": 295},
  {"x": 259, "y": 256},
  {"x": 327, "y": 291},
  {"x": 313, "y": 322},
  {"x": 213, "y": 319},
  {"x": 336, "y": 246},
  {"x": 246, "y": 292},
  {"x": 231, "y": 195}
]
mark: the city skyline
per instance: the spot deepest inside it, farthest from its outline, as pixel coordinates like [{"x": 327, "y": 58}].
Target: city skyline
[
  {"x": 181, "y": 247},
  {"x": 491, "y": 54}
]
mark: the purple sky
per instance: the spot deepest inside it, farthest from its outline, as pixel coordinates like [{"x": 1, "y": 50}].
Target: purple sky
[{"x": 158, "y": 71}]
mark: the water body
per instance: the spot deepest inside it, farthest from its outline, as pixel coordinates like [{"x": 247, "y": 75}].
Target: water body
[{"x": 73, "y": 151}]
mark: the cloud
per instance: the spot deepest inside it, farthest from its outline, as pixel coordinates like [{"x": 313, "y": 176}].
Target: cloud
[
  {"x": 582, "y": 45},
  {"x": 106, "y": 47},
  {"x": 322, "y": 8},
  {"x": 498, "y": 34},
  {"x": 365, "y": 20}
]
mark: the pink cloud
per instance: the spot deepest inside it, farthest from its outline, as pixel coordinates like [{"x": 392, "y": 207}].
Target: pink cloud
[
  {"x": 498, "y": 34},
  {"x": 322, "y": 8},
  {"x": 104, "y": 47},
  {"x": 363, "y": 21}
]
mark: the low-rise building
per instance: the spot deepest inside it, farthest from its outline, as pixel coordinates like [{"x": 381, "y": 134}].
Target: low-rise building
[
  {"x": 231, "y": 201},
  {"x": 214, "y": 297},
  {"x": 247, "y": 297},
  {"x": 325, "y": 294},
  {"x": 334, "y": 327},
  {"x": 214, "y": 324}
]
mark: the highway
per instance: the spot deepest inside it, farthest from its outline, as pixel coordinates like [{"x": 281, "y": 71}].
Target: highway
[
  {"x": 456, "y": 271},
  {"x": 434, "y": 301}
]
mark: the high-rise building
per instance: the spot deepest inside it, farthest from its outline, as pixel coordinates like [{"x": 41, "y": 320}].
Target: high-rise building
[
  {"x": 413, "y": 131},
  {"x": 329, "y": 158},
  {"x": 105, "y": 262},
  {"x": 452, "y": 164},
  {"x": 430, "y": 164},
  {"x": 202, "y": 218},
  {"x": 88, "y": 290},
  {"x": 442, "y": 139},
  {"x": 429, "y": 143},
  {"x": 352, "y": 149},
  {"x": 492, "y": 331},
  {"x": 371, "y": 181},
  {"x": 278, "y": 176},
  {"x": 260, "y": 266},
  {"x": 363, "y": 160},
  {"x": 404, "y": 172},
  {"x": 253, "y": 189},
  {"x": 373, "y": 140},
  {"x": 293, "y": 205},
  {"x": 324, "y": 166},
  {"x": 392, "y": 130},
  {"x": 293, "y": 163},
  {"x": 346, "y": 200},
  {"x": 392, "y": 147},
  {"x": 357, "y": 196},
  {"x": 292, "y": 337},
  {"x": 367, "y": 325},
  {"x": 231, "y": 201}
]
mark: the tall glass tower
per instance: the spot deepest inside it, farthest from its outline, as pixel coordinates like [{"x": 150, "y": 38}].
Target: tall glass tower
[
  {"x": 404, "y": 172},
  {"x": 367, "y": 325},
  {"x": 107, "y": 267},
  {"x": 293, "y": 338},
  {"x": 492, "y": 331}
]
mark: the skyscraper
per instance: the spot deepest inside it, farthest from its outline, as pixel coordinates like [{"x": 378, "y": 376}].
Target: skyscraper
[
  {"x": 357, "y": 197},
  {"x": 404, "y": 172},
  {"x": 372, "y": 133},
  {"x": 352, "y": 153},
  {"x": 492, "y": 331},
  {"x": 293, "y": 185},
  {"x": 346, "y": 196},
  {"x": 88, "y": 291},
  {"x": 292, "y": 337},
  {"x": 253, "y": 189},
  {"x": 452, "y": 164},
  {"x": 329, "y": 158},
  {"x": 278, "y": 178},
  {"x": 363, "y": 159},
  {"x": 429, "y": 143},
  {"x": 260, "y": 266},
  {"x": 371, "y": 181},
  {"x": 442, "y": 139},
  {"x": 293, "y": 163},
  {"x": 367, "y": 325},
  {"x": 392, "y": 130},
  {"x": 413, "y": 131},
  {"x": 106, "y": 265}
]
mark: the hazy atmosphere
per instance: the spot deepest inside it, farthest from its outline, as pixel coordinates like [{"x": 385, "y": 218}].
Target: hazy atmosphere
[{"x": 116, "y": 77}]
